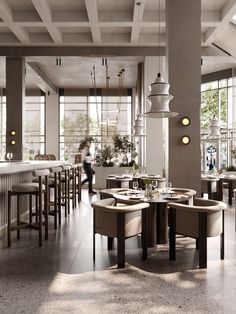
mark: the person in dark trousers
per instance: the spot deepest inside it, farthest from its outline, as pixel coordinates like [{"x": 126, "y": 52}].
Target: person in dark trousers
[{"x": 87, "y": 161}]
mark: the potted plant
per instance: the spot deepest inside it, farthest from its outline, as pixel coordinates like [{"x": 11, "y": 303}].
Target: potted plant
[{"x": 126, "y": 149}]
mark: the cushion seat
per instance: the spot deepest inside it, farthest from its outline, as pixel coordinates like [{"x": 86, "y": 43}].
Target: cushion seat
[{"x": 27, "y": 187}]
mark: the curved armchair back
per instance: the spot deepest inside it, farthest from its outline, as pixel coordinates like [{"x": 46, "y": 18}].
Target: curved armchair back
[
  {"x": 120, "y": 222},
  {"x": 205, "y": 218}
]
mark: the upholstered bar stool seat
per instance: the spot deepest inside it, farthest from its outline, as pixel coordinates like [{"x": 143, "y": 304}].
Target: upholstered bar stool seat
[
  {"x": 37, "y": 189},
  {"x": 27, "y": 187}
]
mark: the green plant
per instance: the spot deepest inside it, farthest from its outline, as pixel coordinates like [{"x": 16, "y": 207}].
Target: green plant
[
  {"x": 107, "y": 154},
  {"x": 124, "y": 147}
]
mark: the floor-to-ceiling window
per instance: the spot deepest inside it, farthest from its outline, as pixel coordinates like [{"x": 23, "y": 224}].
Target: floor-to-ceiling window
[
  {"x": 34, "y": 126},
  {"x": 95, "y": 115},
  {"x": 217, "y": 103}
]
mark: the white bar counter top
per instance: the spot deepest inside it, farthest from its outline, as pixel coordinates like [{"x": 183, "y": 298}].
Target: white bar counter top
[{"x": 12, "y": 167}]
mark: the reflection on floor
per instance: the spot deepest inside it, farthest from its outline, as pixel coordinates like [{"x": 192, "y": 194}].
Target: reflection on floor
[{"x": 61, "y": 275}]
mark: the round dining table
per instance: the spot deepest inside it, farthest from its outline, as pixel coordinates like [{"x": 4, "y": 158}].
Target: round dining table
[{"x": 157, "y": 214}]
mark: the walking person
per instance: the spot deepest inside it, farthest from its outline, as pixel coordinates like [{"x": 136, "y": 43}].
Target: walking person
[{"x": 87, "y": 162}]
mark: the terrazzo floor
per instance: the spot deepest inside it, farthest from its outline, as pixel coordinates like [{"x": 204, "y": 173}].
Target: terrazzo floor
[{"x": 61, "y": 276}]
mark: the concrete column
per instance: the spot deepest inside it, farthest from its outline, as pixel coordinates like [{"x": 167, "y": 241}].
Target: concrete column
[
  {"x": 184, "y": 68},
  {"x": 15, "y": 94},
  {"x": 155, "y": 139},
  {"x": 52, "y": 129}
]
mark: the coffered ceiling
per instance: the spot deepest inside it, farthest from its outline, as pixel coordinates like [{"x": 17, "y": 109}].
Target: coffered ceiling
[
  {"x": 99, "y": 22},
  {"x": 104, "y": 23}
]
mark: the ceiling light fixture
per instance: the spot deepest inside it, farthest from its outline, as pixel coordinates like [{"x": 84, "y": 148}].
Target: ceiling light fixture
[
  {"x": 138, "y": 127},
  {"x": 214, "y": 128},
  {"x": 159, "y": 96}
]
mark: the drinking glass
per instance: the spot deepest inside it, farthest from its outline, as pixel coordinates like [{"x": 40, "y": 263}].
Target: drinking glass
[
  {"x": 169, "y": 186},
  {"x": 9, "y": 156},
  {"x": 135, "y": 184},
  {"x": 154, "y": 184}
]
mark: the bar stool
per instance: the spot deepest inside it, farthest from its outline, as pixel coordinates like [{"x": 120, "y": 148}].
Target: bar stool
[
  {"x": 65, "y": 192},
  {"x": 32, "y": 189},
  {"x": 55, "y": 184}
]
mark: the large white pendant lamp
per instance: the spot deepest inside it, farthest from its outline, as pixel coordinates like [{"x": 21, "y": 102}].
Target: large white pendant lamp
[
  {"x": 159, "y": 99},
  {"x": 159, "y": 96}
]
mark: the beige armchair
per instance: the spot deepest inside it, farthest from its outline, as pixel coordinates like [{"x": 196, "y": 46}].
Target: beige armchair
[
  {"x": 119, "y": 222},
  {"x": 205, "y": 218}
]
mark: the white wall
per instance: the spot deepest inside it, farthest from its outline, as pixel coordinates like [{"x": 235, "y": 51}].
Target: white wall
[
  {"x": 155, "y": 128},
  {"x": 52, "y": 118}
]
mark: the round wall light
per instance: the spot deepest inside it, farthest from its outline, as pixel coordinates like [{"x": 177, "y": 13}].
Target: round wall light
[
  {"x": 185, "y": 140},
  {"x": 13, "y": 142},
  {"x": 13, "y": 132},
  {"x": 185, "y": 121}
]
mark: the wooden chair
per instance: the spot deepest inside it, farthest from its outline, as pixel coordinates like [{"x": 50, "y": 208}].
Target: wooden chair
[
  {"x": 203, "y": 219},
  {"x": 51, "y": 157},
  {"x": 121, "y": 222},
  {"x": 45, "y": 157},
  {"x": 38, "y": 157}
]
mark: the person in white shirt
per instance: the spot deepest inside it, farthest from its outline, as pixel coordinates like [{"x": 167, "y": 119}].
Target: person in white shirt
[{"x": 87, "y": 162}]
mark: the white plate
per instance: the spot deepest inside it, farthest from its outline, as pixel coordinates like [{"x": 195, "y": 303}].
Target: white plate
[
  {"x": 173, "y": 197},
  {"x": 136, "y": 197}
]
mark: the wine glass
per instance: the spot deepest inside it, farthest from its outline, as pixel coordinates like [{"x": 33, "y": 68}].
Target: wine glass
[
  {"x": 135, "y": 184},
  {"x": 9, "y": 156},
  {"x": 154, "y": 184},
  {"x": 169, "y": 186}
]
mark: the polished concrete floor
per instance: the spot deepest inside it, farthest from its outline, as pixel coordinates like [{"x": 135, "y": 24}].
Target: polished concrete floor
[{"x": 27, "y": 271}]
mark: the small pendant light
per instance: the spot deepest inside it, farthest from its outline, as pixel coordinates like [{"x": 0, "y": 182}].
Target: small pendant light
[{"x": 138, "y": 127}]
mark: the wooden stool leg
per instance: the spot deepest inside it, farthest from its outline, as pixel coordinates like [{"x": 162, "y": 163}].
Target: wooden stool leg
[
  {"x": 18, "y": 216},
  {"x": 30, "y": 209},
  {"x": 55, "y": 201},
  {"x": 59, "y": 197},
  {"x": 9, "y": 220},
  {"x": 65, "y": 193},
  {"x": 40, "y": 219}
]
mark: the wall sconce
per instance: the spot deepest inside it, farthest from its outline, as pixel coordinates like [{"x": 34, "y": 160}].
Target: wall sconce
[
  {"x": 13, "y": 142},
  {"x": 185, "y": 121},
  {"x": 185, "y": 139},
  {"x": 13, "y": 132}
]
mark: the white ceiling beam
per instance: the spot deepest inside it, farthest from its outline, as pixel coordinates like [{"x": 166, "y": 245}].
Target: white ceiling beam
[
  {"x": 92, "y": 10},
  {"x": 45, "y": 13},
  {"x": 43, "y": 82},
  {"x": 7, "y": 17},
  {"x": 210, "y": 18},
  {"x": 227, "y": 13},
  {"x": 137, "y": 21}
]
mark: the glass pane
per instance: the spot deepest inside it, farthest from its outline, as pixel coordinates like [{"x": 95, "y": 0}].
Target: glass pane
[
  {"x": 209, "y": 107},
  {"x": 34, "y": 126},
  {"x": 223, "y": 83}
]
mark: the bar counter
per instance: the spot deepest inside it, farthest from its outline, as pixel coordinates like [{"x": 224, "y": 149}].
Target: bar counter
[{"x": 16, "y": 172}]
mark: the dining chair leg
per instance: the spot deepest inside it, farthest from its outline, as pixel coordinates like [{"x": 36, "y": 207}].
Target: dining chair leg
[
  {"x": 30, "y": 209},
  {"x": 18, "y": 216},
  {"x": 172, "y": 234},
  {"x": 222, "y": 237},
  {"x": 9, "y": 220},
  {"x": 59, "y": 198},
  {"x": 144, "y": 234},
  {"x": 110, "y": 243},
  {"x": 202, "y": 240},
  {"x": 121, "y": 240}
]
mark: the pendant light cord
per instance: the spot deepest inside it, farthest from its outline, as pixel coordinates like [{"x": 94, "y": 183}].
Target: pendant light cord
[{"x": 159, "y": 32}]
